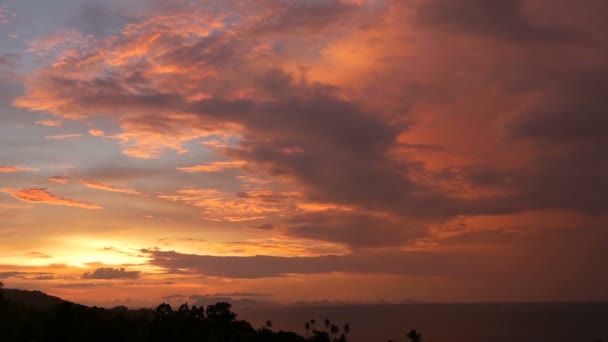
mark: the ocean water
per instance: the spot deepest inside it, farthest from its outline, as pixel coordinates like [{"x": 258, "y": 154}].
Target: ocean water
[{"x": 554, "y": 322}]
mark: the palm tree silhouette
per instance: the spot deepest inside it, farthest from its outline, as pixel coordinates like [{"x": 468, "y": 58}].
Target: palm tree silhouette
[
  {"x": 335, "y": 330},
  {"x": 269, "y": 324},
  {"x": 307, "y": 327},
  {"x": 312, "y": 321},
  {"x": 346, "y": 329},
  {"x": 327, "y": 322}
]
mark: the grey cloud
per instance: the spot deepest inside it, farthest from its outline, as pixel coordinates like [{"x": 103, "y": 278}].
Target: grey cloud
[
  {"x": 27, "y": 275},
  {"x": 270, "y": 266},
  {"x": 495, "y": 19},
  {"x": 99, "y": 20},
  {"x": 357, "y": 230},
  {"x": 110, "y": 273},
  {"x": 11, "y": 60},
  {"x": 264, "y": 226},
  {"x": 305, "y": 15}
]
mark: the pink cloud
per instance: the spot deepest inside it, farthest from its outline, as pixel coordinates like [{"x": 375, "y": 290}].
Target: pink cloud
[{"x": 6, "y": 16}]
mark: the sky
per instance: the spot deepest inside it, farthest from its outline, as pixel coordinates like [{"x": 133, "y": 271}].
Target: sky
[{"x": 288, "y": 150}]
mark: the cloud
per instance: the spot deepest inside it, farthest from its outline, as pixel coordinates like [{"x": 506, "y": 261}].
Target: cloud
[
  {"x": 98, "y": 20},
  {"x": 58, "y": 180},
  {"x": 6, "y": 16},
  {"x": 508, "y": 19},
  {"x": 355, "y": 229},
  {"x": 49, "y": 123},
  {"x": 351, "y": 105},
  {"x": 38, "y": 196},
  {"x": 213, "y": 166},
  {"x": 218, "y": 205},
  {"x": 264, "y": 226},
  {"x": 64, "y": 136},
  {"x": 15, "y": 168},
  {"x": 270, "y": 266},
  {"x": 38, "y": 255},
  {"x": 101, "y": 186},
  {"x": 110, "y": 273},
  {"x": 27, "y": 275},
  {"x": 10, "y": 60}
]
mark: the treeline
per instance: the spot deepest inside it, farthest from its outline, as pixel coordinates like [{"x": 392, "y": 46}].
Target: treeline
[{"x": 66, "y": 322}]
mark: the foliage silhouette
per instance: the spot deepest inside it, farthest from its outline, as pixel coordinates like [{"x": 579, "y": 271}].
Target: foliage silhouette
[{"x": 69, "y": 322}]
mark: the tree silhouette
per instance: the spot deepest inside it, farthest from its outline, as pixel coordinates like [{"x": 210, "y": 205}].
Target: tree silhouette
[
  {"x": 69, "y": 322},
  {"x": 319, "y": 336},
  {"x": 414, "y": 336},
  {"x": 312, "y": 322},
  {"x": 334, "y": 331},
  {"x": 346, "y": 330},
  {"x": 327, "y": 323}
]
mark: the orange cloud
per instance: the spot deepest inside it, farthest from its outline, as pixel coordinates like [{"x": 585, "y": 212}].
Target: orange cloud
[
  {"x": 149, "y": 136},
  {"x": 58, "y": 180},
  {"x": 15, "y": 168},
  {"x": 217, "y": 205},
  {"x": 101, "y": 186},
  {"x": 49, "y": 123},
  {"x": 214, "y": 166},
  {"x": 64, "y": 136},
  {"x": 37, "y": 196}
]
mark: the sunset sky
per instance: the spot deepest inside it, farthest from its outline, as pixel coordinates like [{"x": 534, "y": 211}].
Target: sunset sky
[{"x": 288, "y": 150}]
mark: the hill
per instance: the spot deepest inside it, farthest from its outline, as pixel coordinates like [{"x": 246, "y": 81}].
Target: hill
[{"x": 32, "y": 299}]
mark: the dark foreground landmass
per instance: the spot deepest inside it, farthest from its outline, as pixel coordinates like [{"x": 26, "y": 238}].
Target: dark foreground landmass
[{"x": 35, "y": 316}]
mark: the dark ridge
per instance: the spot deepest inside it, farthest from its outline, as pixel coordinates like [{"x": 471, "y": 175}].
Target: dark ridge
[
  {"x": 36, "y": 316},
  {"x": 32, "y": 299}
]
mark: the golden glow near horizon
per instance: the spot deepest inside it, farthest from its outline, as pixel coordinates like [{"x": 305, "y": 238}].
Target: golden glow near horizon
[{"x": 332, "y": 149}]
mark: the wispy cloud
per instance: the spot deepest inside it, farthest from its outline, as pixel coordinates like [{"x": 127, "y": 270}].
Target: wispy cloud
[
  {"x": 217, "y": 205},
  {"x": 43, "y": 196},
  {"x": 106, "y": 187},
  {"x": 58, "y": 179},
  {"x": 6, "y": 16},
  {"x": 15, "y": 168},
  {"x": 50, "y": 123},
  {"x": 64, "y": 136},
  {"x": 213, "y": 166}
]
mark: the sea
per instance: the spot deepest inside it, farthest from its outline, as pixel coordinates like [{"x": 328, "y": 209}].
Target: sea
[{"x": 539, "y": 322}]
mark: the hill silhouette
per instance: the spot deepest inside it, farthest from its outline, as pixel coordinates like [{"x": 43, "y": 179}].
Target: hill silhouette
[
  {"x": 36, "y": 316},
  {"x": 32, "y": 299}
]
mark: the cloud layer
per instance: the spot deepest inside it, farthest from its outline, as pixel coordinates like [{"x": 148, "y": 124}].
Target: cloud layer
[{"x": 414, "y": 138}]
